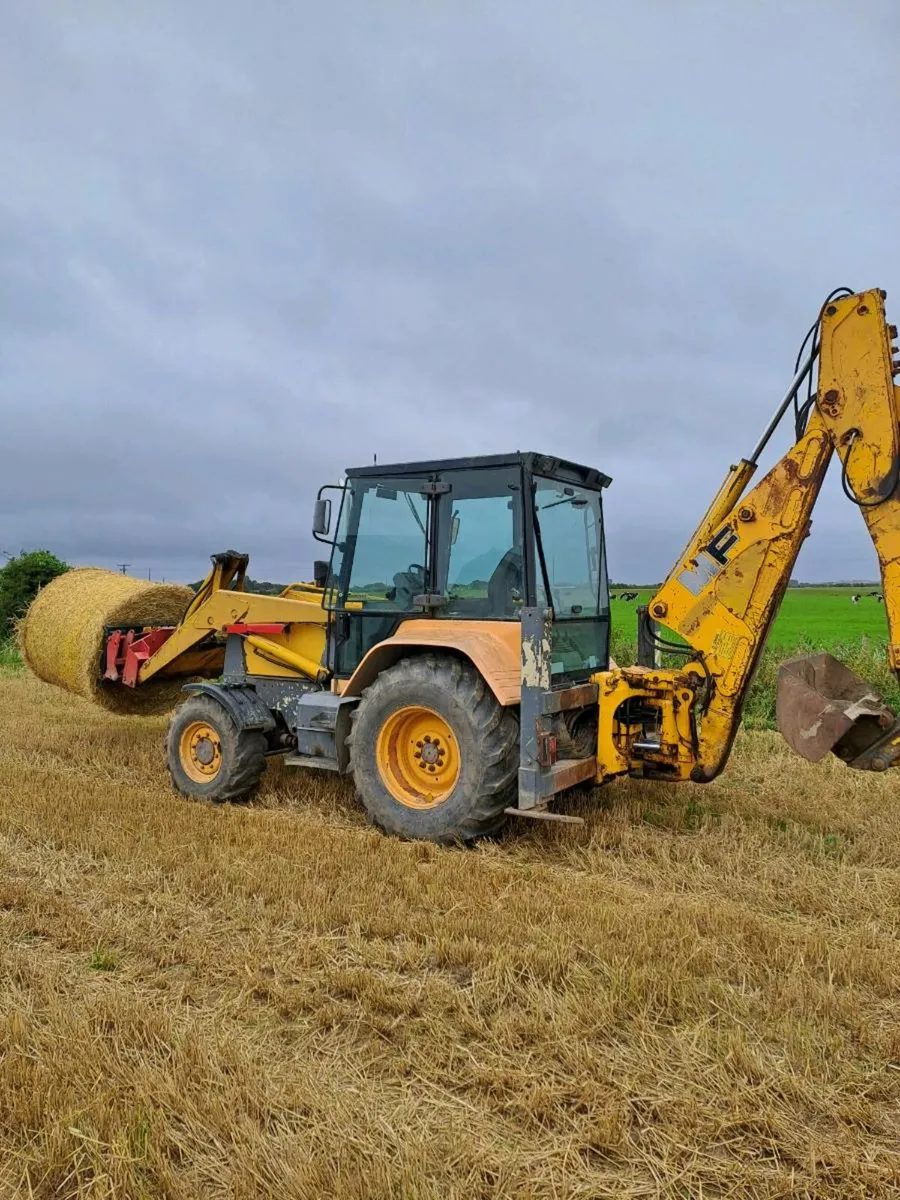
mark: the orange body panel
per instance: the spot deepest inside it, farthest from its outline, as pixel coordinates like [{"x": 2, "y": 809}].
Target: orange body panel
[{"x": 494, "y": 647}]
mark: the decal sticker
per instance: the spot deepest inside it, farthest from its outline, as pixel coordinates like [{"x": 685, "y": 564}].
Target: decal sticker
[{"x": 710, "y": 561}]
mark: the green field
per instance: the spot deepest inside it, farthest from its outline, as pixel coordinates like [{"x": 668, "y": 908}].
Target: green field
[
  {"x": 811, "y": 618},
  {"x": 825, "y": 616},
  {"x": 828, "y": 614}
]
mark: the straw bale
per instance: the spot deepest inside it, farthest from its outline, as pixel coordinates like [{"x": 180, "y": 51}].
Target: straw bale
[{"x": 62, "y": 634}]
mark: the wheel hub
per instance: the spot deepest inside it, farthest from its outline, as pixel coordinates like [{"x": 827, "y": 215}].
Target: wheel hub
[
  {"x": 204, "y": 752},
  {"x": 200, "y": 751},
  {"x": 428, "y": 752},
  {"x": 418, "y": 757}
]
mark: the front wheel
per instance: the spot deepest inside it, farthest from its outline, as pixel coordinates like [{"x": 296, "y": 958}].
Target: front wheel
[
  {"x": 433, "y": 754},
  {"x": 209, "y": 757}
]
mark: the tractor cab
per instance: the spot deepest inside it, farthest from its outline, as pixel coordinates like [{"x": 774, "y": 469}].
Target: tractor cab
[{"x": 469, "y": 541}]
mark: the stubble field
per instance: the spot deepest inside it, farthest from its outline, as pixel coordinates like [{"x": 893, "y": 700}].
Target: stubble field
[{"x": 694, "y": 995}]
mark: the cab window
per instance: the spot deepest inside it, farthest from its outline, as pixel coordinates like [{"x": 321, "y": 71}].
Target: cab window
[
  {"x": 569, "y": 520},
  {"x": 484, "y": 577},
  {"x": 382, "y": 541}
]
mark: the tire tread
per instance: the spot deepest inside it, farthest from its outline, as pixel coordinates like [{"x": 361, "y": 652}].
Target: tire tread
[{"x": 246, "y": 750}]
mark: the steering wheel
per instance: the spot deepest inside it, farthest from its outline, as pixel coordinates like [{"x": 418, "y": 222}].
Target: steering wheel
[{"x": 407, "y": 584}]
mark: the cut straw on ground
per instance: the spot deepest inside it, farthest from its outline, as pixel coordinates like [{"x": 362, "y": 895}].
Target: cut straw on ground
[{"x": 695, "y": 995}]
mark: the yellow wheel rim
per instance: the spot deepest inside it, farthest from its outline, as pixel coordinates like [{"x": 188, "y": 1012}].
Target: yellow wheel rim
[
  {"x": 200, "y": 751},
  {"x": 418, "y": 757}
]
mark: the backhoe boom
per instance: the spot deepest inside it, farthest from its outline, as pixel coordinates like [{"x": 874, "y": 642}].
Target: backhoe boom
[{"x": 724, "y": 591}]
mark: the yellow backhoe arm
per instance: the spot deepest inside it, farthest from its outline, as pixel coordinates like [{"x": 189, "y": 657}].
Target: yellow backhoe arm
[{"x": 725, "y": 589}]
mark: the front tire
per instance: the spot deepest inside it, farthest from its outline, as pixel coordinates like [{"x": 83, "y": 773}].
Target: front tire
[
  {"x": 209, "y": 757},
  {"x": 432, "y": 753}
]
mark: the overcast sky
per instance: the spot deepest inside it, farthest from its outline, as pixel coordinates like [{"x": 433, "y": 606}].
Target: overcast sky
[{"x": 246, "y": 245}]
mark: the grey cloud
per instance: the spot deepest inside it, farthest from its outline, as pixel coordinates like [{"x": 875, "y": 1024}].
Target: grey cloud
[{"x": 242, "y": 249}]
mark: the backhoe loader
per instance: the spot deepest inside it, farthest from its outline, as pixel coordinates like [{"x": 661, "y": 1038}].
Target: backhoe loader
[{"x": 452, "y": 653}]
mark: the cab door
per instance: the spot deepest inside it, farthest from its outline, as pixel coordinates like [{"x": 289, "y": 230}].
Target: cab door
[
  {"x": 379, "y": 565},
  {"x": 479, "y": 561},
  {"x": 570, "y": 575}
]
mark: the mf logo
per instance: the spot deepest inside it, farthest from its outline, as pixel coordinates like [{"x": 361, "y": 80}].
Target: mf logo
[
  {"x": 717, "y": 547},
  {"x": 710, "y": 561}
]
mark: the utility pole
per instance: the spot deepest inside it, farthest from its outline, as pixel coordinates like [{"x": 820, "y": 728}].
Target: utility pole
[{"x": 123, "y": 567}]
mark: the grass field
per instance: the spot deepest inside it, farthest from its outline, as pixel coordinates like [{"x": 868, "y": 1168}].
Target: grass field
[
  {"x": 9, "y": 654},
  {"x": 697, "y": 994},
  {"x": 817, "y": 615}
]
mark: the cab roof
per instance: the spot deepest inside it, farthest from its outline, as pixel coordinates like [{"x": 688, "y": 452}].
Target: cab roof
[{"x": 538, "y": 464}]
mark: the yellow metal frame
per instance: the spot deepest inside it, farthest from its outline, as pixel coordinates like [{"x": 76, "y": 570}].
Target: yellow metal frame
[
  {"x": 673, "y": 695},
  {"x": 494, "y": 647}
]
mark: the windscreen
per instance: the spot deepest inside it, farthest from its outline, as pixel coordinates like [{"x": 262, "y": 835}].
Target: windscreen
[{"x": 381, "y": 548}]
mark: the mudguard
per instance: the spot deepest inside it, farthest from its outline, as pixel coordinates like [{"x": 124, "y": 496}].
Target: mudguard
[{"x": 241, "y": 703}]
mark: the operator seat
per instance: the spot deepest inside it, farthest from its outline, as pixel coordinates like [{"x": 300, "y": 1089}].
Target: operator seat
[
  {"x": 505, "y": 586},
  {"x": 407, "y": 585}
]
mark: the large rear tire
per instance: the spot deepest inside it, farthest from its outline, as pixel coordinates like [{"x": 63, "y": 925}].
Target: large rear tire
[
  {"x": 432, "y": 753},
  {"x": 209, "y": 757}
]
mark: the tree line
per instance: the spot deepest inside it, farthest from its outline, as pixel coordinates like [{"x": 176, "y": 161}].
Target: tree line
[{"x": 21, "y": 578}]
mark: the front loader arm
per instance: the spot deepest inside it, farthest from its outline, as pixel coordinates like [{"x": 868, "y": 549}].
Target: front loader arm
[
  {"x": 283, "y": 635},
  {"x": 288, "y": 630},
  {"x": 724, "y": 592}
]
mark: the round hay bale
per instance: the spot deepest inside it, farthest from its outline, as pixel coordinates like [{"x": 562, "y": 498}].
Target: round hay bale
[{"x": 61, "y": 635}]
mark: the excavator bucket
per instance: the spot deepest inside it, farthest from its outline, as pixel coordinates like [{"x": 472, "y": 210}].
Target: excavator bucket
[{"x": 821, "y": 705}]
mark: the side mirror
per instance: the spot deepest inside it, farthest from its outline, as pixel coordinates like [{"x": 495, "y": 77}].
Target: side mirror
[{"x": 322, "y": 518}]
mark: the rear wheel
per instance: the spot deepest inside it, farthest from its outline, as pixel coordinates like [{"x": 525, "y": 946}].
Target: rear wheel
[
  {"x": 432, "y": 753},
  {"x": 209, "y": 757}
]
